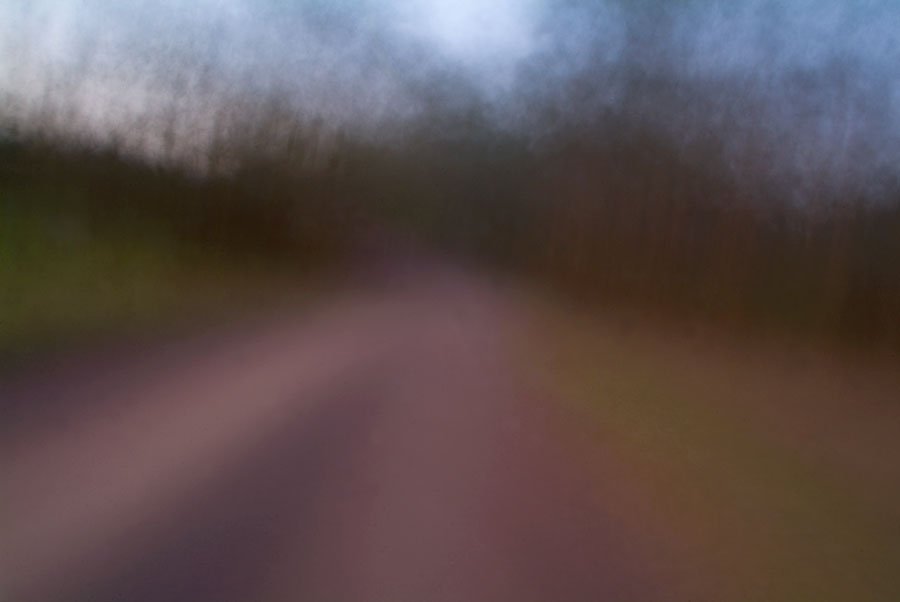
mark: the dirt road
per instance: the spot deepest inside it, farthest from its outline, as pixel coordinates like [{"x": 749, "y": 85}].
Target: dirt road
[{"x": 389, "y": 446}]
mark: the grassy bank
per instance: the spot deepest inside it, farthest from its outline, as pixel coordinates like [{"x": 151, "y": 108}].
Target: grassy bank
[
  {"x": 758, "y": 472},
  {"x": 67, "y": 277}
]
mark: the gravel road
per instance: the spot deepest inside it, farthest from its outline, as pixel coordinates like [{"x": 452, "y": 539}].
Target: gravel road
[{"x": 384, "y": 446}]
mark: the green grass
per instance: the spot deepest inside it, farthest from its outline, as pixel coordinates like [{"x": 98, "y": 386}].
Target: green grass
[
  {"x": 64, "y": 277},
  {"x": 760, "y": 475}
]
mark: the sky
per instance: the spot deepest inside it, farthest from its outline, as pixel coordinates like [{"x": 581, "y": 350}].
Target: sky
[
  {"x": 322, "y": 47},
  {"x": 814, "y": 83}
]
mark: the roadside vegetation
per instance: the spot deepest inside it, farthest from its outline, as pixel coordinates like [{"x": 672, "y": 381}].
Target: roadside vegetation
[
  {"x": 618, "y": 216},
  {"x": 73, "y": 268},
  {"x": 758, "y": 470}
]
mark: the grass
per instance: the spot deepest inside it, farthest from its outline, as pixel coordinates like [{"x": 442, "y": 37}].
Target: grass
[
  {"x": 64, "y": 277},
  {"x": 760, "y": 472}
]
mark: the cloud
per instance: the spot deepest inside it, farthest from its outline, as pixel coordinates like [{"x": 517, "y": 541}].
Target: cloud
[{"x": 810, "y": 84}]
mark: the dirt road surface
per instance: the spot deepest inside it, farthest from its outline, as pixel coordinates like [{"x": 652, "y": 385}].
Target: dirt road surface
[{"x": 388, "y": 446}]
